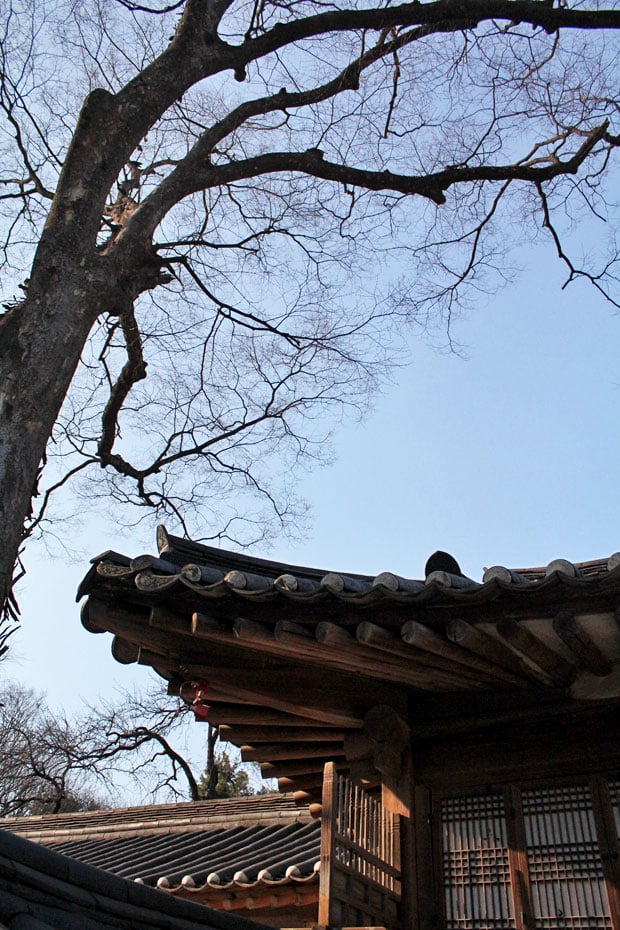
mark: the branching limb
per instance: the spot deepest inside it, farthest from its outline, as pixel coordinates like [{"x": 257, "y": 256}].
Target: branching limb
[
  {"x": 124, "y": 741},
  {"x": 194, "y": 175},
  {"x": 434, "y": 15},
  {"x": 574, "y": 271},
  {"x": 249, "y": 320},
  {"x": 133, "y": 370}
]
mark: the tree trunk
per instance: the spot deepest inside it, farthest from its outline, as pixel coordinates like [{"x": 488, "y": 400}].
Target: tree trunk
[
  {"x": 71, "y": 283},
  {"x": 41, "y": 341}
]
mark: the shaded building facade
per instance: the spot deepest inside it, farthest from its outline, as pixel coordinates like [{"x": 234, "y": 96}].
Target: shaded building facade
[{"x": 469, "y": 729}]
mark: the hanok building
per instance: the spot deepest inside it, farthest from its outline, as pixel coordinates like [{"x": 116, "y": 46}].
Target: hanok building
[{"x": 462, "y": 737}]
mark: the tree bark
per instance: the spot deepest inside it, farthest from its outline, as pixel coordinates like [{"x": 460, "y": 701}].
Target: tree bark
[
  {"x": 71, "y": 284},
  {"x": 41, "y": 341}
]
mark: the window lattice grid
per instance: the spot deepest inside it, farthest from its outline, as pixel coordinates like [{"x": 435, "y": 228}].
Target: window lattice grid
[
  {"x": 475, "y": 860},
  {"x": 566, "y": 876}
]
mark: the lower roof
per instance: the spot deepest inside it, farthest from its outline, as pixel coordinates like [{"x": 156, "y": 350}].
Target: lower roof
[
  {"x": 226, "y": 854},
  {"x": 158, "y": 819},
  {"x": 43, "y": 890}
]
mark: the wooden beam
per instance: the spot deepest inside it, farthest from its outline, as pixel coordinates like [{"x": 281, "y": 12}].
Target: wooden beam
[
  {"x": 265, "y": 734},
  {"x": 283, "y": 690},
  {"x": 581, "y": 644},
  {"x": 494, "y": 650},
  {"x": 297, "y": 768},
  {"x": 291, "y": 626},
  {"x": 427, "y": 640},
  {"x": 88, "y": 616},
  {"x": 260, "y": 898},
  {"x": 431, "y": 672},
  {"x": 348, "y": 656},
  {"x": 477, "y": 722},
  {"x": 196, "y": 633},
  {"x": 163, "y": 619},
  {"x": 260, "y": 637},
  {"x": 370, "y": 634},
  {"x": 561, "y": 672},
  {"x": 124, "y": 652},
  {"x": 508, "y": 755},
  {"x": 408, "y": 667},
  {"x": 330, "y": 634},
  {"x": 338, "y": 650},
  {"x": 264, "y": 723},
  {"x": 268, "y": 752},
  {"x": 307, "y": 783},
  {"x": 133, "y": 627},
  {"x": 210, "y": 628},
  {"x": 152, "y": 659}
]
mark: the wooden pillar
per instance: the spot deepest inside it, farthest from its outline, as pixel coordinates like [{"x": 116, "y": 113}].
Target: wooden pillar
[
  {"x": 393, "y": 759},
  {"x": 397, "y": 798},
  {"x": 517, "y": 860},
  {"x": 327, "y": 845},
  {"x": 609, "y": 844}
]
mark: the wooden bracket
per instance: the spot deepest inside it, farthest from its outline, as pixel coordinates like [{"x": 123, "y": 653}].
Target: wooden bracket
[{"x": 391, "y": 738}]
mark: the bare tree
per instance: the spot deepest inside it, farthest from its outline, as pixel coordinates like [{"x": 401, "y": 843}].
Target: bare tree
[
  {"x": 42, "y": 768},
  {"x": 253, "y": 196},
  {"x": 50, "y": 763}
]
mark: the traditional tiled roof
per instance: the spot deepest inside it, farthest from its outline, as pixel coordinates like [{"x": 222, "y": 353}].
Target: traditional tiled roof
[
  {"x": 228, "y": 854},
  {"x": 271, "y": 648},
  {"x": 43, "y": 890},
  {"x": 185, "y": 567},
  {"x": 156, "y": 819}
]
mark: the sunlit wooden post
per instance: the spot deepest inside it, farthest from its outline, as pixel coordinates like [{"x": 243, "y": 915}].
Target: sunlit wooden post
[{"x": 327, "y": 844}]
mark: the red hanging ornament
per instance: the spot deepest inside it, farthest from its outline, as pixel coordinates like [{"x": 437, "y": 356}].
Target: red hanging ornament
[{"x": 199, "y": 705}]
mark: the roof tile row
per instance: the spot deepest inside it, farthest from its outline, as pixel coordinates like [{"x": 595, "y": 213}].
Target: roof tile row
[
  {"x": 246, "y": 855},
  {"x": 214, "y": 573}
]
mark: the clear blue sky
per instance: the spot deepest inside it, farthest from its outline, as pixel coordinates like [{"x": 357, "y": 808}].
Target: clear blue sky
[{"x": 508, "y": 456}]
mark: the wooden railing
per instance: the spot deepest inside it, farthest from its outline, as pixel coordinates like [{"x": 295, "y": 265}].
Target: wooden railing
[{"x": 360, "y": 858}]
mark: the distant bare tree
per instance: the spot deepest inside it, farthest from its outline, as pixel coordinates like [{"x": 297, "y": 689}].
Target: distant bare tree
[
  {"x": 132, "y": 741},
  {"x": 50, "y": 763},
  {"x": 253, "y": 198},
  {"x": 42, "y": 769}
]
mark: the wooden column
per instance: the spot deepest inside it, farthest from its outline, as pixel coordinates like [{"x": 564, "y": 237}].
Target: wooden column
[
  {"x": 393, "y": 758},
  {"x": 397, "y": 798},
  {"x": 425, "y": 848},
  {"x": 609, "y": 845},
  {"x": 517, "y": 860},
  {"x": 327, "y": 845}
]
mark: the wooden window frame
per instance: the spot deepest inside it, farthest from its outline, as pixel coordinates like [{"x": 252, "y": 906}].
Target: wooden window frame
[{"x": 606, "y": 827}]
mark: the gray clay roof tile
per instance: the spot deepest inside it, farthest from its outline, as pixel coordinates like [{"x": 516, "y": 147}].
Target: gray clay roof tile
[{"x": 286, "y": 851}]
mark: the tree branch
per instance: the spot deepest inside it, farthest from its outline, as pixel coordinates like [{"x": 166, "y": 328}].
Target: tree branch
[
  {"x": 464, "y": 16},
  {"x": 133, "y": 370}
]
